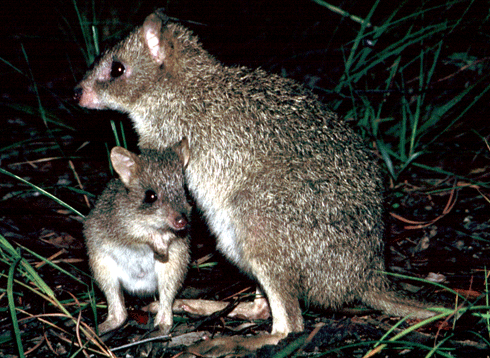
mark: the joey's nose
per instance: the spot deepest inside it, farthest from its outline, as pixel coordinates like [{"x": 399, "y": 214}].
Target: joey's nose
[{"x": 180, "y": 222}]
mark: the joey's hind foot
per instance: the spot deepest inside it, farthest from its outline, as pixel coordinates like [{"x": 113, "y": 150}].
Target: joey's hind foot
[{"x": 111, "y": 323}]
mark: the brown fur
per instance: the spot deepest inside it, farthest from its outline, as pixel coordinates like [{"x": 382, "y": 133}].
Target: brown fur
[
  {"x": 291, "y": 192},
  {"x": 136, "y": 235}
]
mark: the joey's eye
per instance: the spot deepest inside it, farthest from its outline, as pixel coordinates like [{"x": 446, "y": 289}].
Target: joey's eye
[
  {"x": 150, "y": 197},
  {"x": 117, "y": 69}
]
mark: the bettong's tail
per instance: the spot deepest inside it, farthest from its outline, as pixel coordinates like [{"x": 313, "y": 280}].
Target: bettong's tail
[{"x": 390, "y": 303}]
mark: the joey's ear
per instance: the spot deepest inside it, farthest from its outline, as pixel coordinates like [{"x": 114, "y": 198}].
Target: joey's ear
[
  {"x": 125, "y": 163},
  {"x": 183, "y": 151},
  {"x": 152, "y": 32}
]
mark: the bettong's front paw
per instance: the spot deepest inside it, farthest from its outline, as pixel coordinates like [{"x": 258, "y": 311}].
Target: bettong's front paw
[
  {"x": 218, "y": 347},
  {"x": 258, "y": 309},
  {"x": 233, "y": 346}
]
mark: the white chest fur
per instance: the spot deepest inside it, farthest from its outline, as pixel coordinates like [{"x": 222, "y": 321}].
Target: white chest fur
[
  {"x": 135, "y": 268},
  {"x": 212, "y": 201}
]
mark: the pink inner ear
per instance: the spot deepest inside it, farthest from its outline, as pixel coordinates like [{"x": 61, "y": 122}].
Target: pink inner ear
[
  {"x": 153, "y": 44},
  {"x": 124, "y": 165}
]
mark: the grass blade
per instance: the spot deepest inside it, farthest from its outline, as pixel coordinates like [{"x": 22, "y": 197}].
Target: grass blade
[
  {"x": 42, "y": 191},
  {"x": 13, "y": 315}
]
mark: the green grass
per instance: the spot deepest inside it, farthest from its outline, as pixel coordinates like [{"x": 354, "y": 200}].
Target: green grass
[
  {"x": 392, "y": 339},
  {"x": 29, "y": 279},
  {"x": 403, "y": 136}
]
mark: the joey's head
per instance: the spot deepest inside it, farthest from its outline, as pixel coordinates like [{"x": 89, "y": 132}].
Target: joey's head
[
  {"x": 157, "y": 201},
  {"x": 140, "y": 71}
]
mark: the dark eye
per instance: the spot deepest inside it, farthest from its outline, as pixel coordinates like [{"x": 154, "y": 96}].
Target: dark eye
[
  {"x": 117, "y": 69},
  {"x": 150, "y": 197}
]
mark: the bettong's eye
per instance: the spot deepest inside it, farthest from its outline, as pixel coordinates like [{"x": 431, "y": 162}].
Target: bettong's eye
[
  {"x": 117, "y": 69},
  {"x": 150, "y": 197}
]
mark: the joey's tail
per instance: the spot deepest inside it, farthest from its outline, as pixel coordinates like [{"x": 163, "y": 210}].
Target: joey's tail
[{"x": 390, "y": 303}]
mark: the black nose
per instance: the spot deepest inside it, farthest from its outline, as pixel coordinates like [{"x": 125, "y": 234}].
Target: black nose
[{"x": 77, "y": 93}]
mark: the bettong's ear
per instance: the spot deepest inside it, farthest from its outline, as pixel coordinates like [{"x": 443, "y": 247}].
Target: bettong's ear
[
  {"x": 153, "y": 28},
  {"x": 125, "y": 163}
]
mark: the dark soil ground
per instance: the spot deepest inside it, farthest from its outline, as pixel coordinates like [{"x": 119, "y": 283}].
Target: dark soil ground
[{"x": 438, "y": 222}]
